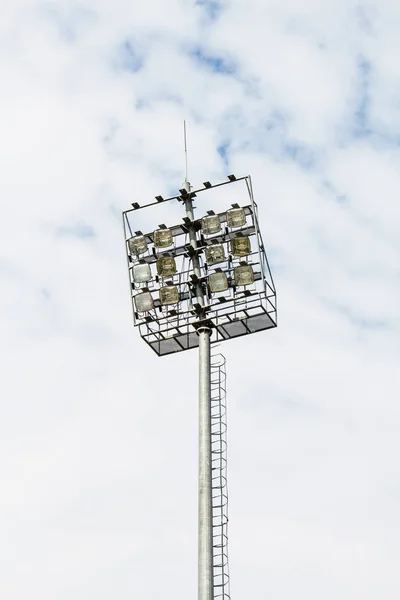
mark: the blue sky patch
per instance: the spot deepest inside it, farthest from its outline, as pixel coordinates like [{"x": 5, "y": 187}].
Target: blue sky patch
[
  {"x": 370, "y": 323},
  {"x": 212, "y": 8},
  {"x": 222, "y": 150},
  {"x": 70, "y": 23},
  {"x": 361, "y": 112},
  {"x": 45, "y": 293},
  {"x": 335, "y": 195},
  {"x": 300, "y": 154},
  {"x": 364, "y": 20},
  {"x": 128, "y": 58},
  {"x": 217, "y": 64}
]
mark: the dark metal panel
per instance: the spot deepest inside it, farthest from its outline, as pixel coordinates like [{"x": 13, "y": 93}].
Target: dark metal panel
[
  {"x": 260, "y": 322},
  {"x": 235, "y": 328}
]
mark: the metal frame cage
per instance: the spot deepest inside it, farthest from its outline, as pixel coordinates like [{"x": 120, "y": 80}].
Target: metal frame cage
[{"x": 237, "y": 300}]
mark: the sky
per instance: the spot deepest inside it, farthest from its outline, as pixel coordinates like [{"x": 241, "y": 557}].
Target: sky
[{"x": 98, "y": 436}]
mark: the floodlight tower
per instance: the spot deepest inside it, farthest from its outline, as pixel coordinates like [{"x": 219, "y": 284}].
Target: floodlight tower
[{"x": 192, "y": 284}]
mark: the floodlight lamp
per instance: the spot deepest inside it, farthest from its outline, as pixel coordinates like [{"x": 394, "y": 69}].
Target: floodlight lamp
[
  {"x": 137, "y": 245},
  {"x": 218, "y": 282},
  {"x": 211, "y": 224},
  {"x": 141, "y": 273},
  {"x": 144, "y": 302},
  {"x": 163, "y": 238},
  {"x": 166, "y": 266},
  {"x": 244, "y": 275},
  {"x": 215, "y": 254},
  {"x": 235, "y": 217},
  {"x": 169, "y": 295},
  {"x": 240, "y": 246}
]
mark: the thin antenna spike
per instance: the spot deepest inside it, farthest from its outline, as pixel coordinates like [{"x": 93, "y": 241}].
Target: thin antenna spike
[{"x": 186, "y": 156}]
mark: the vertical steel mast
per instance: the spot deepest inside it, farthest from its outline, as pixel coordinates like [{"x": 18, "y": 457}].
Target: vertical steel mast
[
  {"x": 205, "y": 536},
  {"x": 192, "y": 284},
  {"x": 205, "y": 523}
]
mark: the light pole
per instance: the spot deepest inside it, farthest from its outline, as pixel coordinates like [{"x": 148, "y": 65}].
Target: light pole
[
  {"x": 205, "y": 537},
  {"x": 192, "y": 284}
]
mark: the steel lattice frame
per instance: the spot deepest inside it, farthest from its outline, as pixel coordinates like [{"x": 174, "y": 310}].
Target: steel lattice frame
[{"x": 236, "y": 312}]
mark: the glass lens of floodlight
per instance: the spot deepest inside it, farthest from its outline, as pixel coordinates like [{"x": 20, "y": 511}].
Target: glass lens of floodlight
[
  {"x": 137, "y": 245},
  {"x": 141, "y": 273},
  {"x": 235, "y": 217},
  {"x": 166, "y": 266},
  {"x": 244, "y": 275},
  {"x": 218, "y": 282},
  {"x": 211, "y": 224},
  {"x": 215, "y": 254},
  {"x": 144, "y": 302},
  {"x": 241, "y": 246},
  {"x": 169, "y": 295},
  {"x": 163, "y": 238}
]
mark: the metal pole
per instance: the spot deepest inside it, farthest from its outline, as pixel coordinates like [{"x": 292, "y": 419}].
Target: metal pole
[
  {"x": 205, "y": 535},
  {"x": 193, "y": 243},
  {"x": 205, "y": 531}
]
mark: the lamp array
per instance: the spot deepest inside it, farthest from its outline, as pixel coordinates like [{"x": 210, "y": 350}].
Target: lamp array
[
  {"x": 165, "y": 267},
  {"x": 217, "y": 281}
]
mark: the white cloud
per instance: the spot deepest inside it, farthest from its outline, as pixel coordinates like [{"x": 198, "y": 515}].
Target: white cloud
[{"x": 98, "y": 435}]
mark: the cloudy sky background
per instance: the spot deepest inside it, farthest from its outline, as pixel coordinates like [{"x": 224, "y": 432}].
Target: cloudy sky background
[{"x": 98, "y": 437}]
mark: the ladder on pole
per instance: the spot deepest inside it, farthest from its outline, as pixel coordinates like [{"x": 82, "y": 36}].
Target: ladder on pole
[{"x": 221, "y": 589}]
